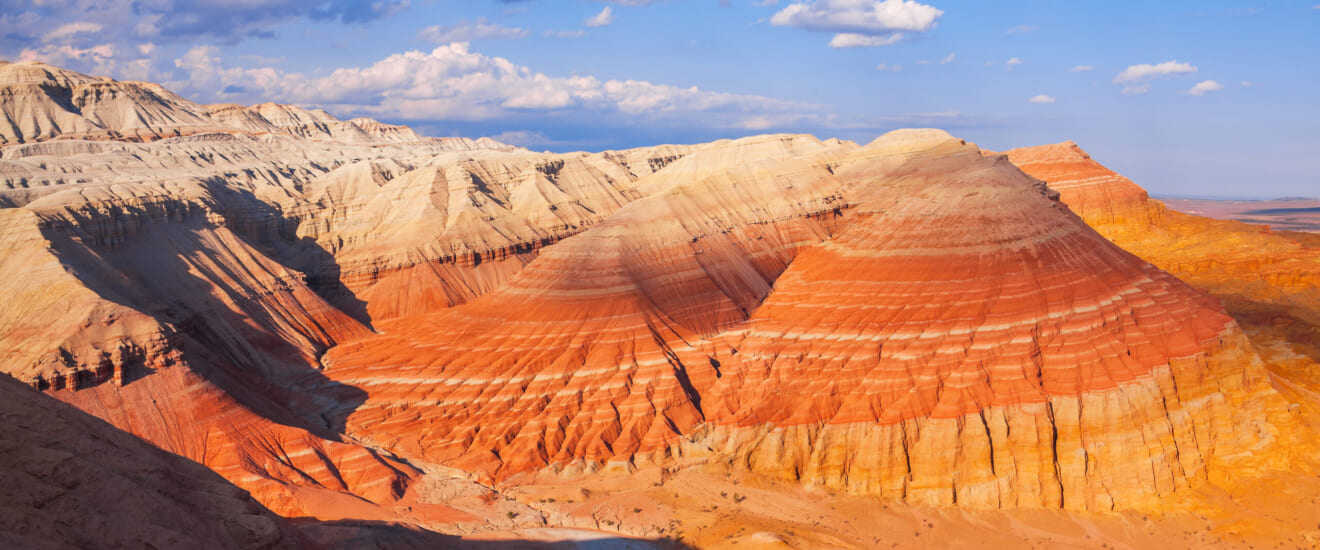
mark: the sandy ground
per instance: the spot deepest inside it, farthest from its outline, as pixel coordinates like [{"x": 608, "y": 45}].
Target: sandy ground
[{"x": 1281, "y": 214}]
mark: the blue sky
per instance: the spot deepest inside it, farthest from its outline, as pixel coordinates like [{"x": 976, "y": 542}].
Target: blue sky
[{"x": 1187, "y": 98}]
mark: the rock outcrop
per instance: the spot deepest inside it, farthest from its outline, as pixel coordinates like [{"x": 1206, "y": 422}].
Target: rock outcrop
[
  {"x": 328, "y": 312},
  {"x": 1267, "y": 278},
  {"x": 844, "y": 318},
  {"x": 40, "y": 102},
  {"x": 72, "y": 481}
]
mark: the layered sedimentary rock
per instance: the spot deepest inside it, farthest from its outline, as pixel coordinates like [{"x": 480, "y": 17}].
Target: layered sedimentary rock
[
  {"x": 589, "y": 333},
  {"x": 329, "y": 312},
  {"x": 410, "y": 241},
  {"x": 1267, "y": 277},
  {"x": 72, "y": 481},
  {"x": 933, "y": 300},
  {"x": 134, "y": 300},
  {"x": 968, "y": 341},
  {"x": 40, "y": 102},
  {"x": 1100, "y": 196}
]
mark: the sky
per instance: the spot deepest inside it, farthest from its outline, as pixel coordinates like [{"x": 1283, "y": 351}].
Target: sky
[{"x": 1199, "y": 99}]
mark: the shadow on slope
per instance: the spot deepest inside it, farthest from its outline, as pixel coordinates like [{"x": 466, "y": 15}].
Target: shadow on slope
[
  {"x": 270, "y": 230},
  {"x": 372, "y": 535},
  {"x": 239, "y": 321}
]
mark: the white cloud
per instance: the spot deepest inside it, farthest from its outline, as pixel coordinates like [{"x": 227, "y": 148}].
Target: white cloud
[
  {"x": 923, "y": 62},
  {"x": 888, "y": 67},
  {"x": 1145, "y": 72},
  {"x": 99, "y": 59},
  {"x": 1205, "y": 86},
  {"x": 1022, "y": 29},
  {"x": 605, "y": 17},
  {"x": 467, "y": 32},
  {"x": 452, "y": 82},
  {"x": 564, "y": 34},
  {"x": 764, "y": 3},
  {"x": 64, "y": 32},
  {"x": 1012, "y": 62},
  {"x": 948, "y": 59},
  {"x": 1081, "y": 69},
  {"x": 524, "y": 138},
  {"x": 853, "y": 40},
  {"x": 858, "y": 23},
  {"x": 1041, "y": 98},
  {"x": 858, "y": 16},
  {"x": 1136, "y": 89},
  {"x": 1246, "y": 83}
]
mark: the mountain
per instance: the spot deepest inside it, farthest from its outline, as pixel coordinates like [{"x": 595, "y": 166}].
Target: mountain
[
  {"x": 73, "y": 481},
  {"x": 841, "y": 318},
  {"x": 41, "y": 102},
  {"x": 1266, "y": 278},
  {"x": 361, "y": 325}
]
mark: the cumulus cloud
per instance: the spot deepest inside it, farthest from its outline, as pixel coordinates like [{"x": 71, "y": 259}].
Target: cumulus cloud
[
  {"x": 1041, "y": 98},
  {"x": 1081, "y": 69},
  {"x": 77, "y": 34},
  {"x": 853, "y": 40},
  {"x": 452, "y": 82},
  {"x": 467, "y": 32},
  {"x": 1205, "y": 86},
  {"x": 605, "y": 17},
  {"x": 948, "y": 59},
  {"x": 99, "y": 58},
  {"x": 859, "y": 22},
  {"x": 1137, "y": 74},
  {"x": 1012, "y": 62},
  {"x": 564, "y": 34},
  {"x": 1022, "y": 29},
  {"x": 64, "y": 32},
  {"x": 525, "y": 138}
]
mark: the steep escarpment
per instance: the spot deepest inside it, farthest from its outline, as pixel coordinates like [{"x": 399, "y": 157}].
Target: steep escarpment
[
  {"x": 40, "y": 102},
  {"x": 868, "y": 320},
  {"x": 71, "y": 480},
  {"x": 416, "y": 240},
  {"x": 966, "y": 340},
  {"x": 154, "y": 294},
  {"x": 594, "y": 350},
  {"x": 342, "y": 315},
  {"x": 412, "y": 241},
  {"x": 1266, "y": 278}
]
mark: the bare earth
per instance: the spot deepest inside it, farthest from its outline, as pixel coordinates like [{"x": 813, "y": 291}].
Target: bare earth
[
  {"x": 374, "y": 339},
  {"x": 1280, "y": 214}
]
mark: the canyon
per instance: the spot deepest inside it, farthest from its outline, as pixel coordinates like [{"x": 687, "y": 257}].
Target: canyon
[{"x": 390, "y": 340}]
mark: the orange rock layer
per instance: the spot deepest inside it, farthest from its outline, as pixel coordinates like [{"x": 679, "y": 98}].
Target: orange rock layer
[
  {"x": 930, "y": 299},
  {"x": 1261, "y": 274},
  {"x": 72, "y": 481},
  {"x": 324, "y": 310}
]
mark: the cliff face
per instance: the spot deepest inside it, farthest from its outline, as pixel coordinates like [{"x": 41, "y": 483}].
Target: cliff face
[
  {"x": 871, "y": 320},
  {"x": 40, "y": 102},
  {"x": 1266, "y": 278},
  {"x": 328, "y": 320},
  {"x": 73, "y": 481}
]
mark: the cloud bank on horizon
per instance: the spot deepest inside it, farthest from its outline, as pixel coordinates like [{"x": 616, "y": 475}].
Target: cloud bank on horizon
[{"x": 590, "y": 76}]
